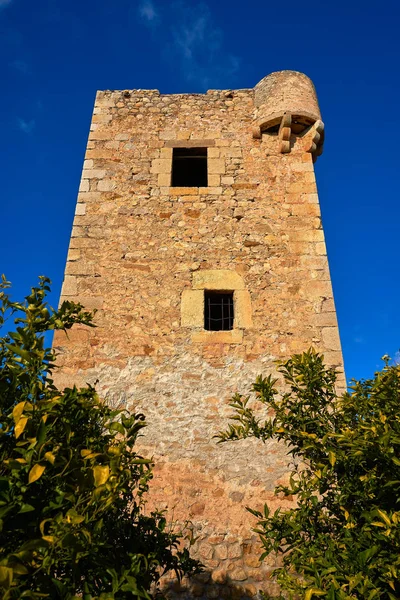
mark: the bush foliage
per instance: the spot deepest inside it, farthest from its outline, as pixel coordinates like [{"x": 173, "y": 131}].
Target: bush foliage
[
  {"x": 71, "y": 485},
  {"x": 341, "y": 540}
]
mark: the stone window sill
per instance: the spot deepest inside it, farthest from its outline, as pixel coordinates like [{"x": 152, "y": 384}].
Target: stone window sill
[
  {"x": 235, "y": 336},
  {"x": 193, "y": 191}
]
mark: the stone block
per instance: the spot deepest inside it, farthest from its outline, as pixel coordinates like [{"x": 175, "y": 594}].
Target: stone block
[
  {"x": 307, "y": 235},
  {"x": 238, "y": 574},
  {"x": 217, "y": 279},
  {"x": 325, "y": 319},
  {"x": 301, "y": 167},
  {"x": 316, "y": 288},
  {"x": 320, "y": 248},
  {"x": 210, "y": 191},
  {"x": 213, "y": 152},
  {"x": 192, "y": 308},
  {"x": 94, "y": 173},
  {"x": 221, "y": 552},
  {"x": 214, "y": 180},
  {"x": 330, "y": 337},
  {"x": 84, "y": 185},
  {"x": 89, "y": 197},
  {"x": 80, "y": 267},
  {"x": 106, "y": 185},
  {"x": 161, "y": 165},
  {"x": 90, "y": 302},
  {"x": 70, "y": 286},
  {"x": 164, "y": 179},
  {"x": 166, "y": 153},
  {"x": 234, "y": 551},
  {"x": 216, "y": 166},
  {"x": 99, "y": 135},
  {"x": 301, "y": 187},
  {"x": 184, "y": 191},
  {"x": 80, "y": 209},
  {"x": 235, "y": 336},
  {"x": 176, "y": 143},
  {"x": 219, "y": 576},
  {"x": 73, "y": 254},
  {"x": 242, "y": 309},
  {"x": 328, "y": 305}
]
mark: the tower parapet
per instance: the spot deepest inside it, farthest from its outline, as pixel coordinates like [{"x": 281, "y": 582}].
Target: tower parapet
[{"x": 286, "y": 104}]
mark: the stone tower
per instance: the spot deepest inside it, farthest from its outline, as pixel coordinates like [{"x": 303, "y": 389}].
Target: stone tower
[{"x": 197, "y": 237}]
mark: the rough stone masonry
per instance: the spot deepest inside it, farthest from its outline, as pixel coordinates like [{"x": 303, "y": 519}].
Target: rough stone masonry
[{"x": 145, "y": 251}]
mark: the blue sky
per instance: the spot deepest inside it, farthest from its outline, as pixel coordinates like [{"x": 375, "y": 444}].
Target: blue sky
[{"x": 55, "y": 54}]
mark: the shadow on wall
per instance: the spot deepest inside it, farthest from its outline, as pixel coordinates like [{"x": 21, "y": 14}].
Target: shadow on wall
[{"x": 208, "y": 585}]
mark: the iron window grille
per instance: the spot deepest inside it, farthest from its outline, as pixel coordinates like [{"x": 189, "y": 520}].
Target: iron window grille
[{"x": 218, "y": 311}]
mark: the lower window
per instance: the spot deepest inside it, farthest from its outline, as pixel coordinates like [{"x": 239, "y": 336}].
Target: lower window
[{"x": 218, "y": 311}]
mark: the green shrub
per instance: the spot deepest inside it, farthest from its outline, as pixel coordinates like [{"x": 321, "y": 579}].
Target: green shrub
[
  {"x": 71, "y": 485},
  {"x": 342, "y": 538}
]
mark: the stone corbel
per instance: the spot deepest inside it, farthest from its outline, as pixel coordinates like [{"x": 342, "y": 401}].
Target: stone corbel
[
  {"x": 285, "y": 131},
  {"x": 314, "y": 139}
]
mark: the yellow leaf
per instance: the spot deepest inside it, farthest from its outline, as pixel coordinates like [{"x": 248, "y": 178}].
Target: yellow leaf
[
  {"x": 20, "y": 426},
  {"x": 48, "y": 538},
  {"x": 332, "y": 458},
  {"x": 101, "y": 474},
  {"x": 35, "y": 473},
  {"x": 384, "y": 516},
  {"x": 89, "y": 454},
  {"x": 18, "y": 410},
  {"x": 50, "y": 457},
  {"x": 313, "y": 592},
  {"x": 43, "y": 524}
]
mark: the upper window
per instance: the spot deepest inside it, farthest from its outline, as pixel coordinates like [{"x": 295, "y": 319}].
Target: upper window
[
  {"x": 218, "y": 311},
  {"x": 189, "y": 167}
]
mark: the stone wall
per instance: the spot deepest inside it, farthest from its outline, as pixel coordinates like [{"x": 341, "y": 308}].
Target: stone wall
[{"x": 141, "y": 252}]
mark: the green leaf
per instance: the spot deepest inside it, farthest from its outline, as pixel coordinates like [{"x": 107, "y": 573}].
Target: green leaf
[
  {"x": 73, "y": 517},
  {"x": 26, "y": 508},
  {"x": 25, "y": 354},
  {"x": 116, "y": 426},
  {"x": 6, "y": 577}
]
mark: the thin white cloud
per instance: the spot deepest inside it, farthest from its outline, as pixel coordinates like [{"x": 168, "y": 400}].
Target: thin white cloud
[
  {"x": 191, "y": 41},
  {"x": 198, "y": 43},
  {"x": 147, "y": 11},
  {"x": 26, "y": 126}
]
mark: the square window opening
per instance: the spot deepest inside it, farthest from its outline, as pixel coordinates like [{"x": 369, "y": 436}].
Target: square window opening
[
  {"x": 218, "y": 311},
  {"x": 189, "y": 167}
]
